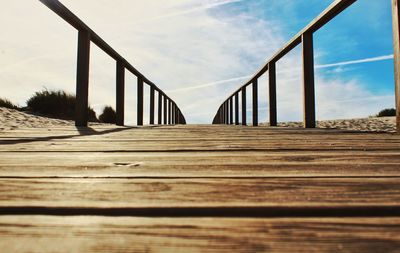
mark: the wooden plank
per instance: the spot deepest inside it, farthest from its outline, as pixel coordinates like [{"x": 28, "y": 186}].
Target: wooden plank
[
  {"x": 208, "y": 192},
  {"x": 204, "y": 145},
  {"x": 120, "y": 93},
  {"x": 82, "y": 79},
  {"x": 134, "y": 234},
  {"x": 396, "y": 45},
  {"x": 205, "y": 164},
  {"x": 308, "y": 81}
]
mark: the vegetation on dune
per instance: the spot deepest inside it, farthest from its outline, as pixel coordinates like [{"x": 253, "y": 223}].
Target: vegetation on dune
[
  {"x": 108, "y": 115},
  {"x": 8, "y": 104},
  {"x": 56, "y": 104},
  {"x": 387, "y": 112}
]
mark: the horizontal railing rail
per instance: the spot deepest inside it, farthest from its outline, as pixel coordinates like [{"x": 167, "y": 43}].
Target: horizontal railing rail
[
  {"x": 87, "y": 35},
  {"x": 228, "y": 112}
]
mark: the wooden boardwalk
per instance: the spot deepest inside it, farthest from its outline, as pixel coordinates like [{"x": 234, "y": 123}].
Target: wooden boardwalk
[{"x": 199, "y": 189}]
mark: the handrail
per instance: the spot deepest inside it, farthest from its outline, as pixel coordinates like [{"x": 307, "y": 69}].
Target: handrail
[
  {"x": 86, "y": 34},
  {"x": 305, "y": 36}
]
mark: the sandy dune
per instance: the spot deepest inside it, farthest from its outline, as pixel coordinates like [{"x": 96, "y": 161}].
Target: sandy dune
[
  {"x": 373, "y": 124},
  {"x": 13, "y": 119}
]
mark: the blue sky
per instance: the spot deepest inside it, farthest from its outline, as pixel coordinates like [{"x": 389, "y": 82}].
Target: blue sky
[
  {"x": 362, "y": 31},
  {"x": 199, "y": 51}
]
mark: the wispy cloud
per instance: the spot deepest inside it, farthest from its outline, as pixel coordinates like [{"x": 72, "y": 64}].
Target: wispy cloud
[
  {"x": 210, "y": 84},
  {"x": 188, "y": 11},
  {"x": 337, "y": 64}
]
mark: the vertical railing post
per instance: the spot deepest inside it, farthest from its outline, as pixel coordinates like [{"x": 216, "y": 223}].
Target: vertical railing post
[
  {"x": 173, "y": 114},
  {"x": 139, "y": 101},
  {"x": 120, "y": 107},
  {"x": 152, "y": 95},
  {"x": 255, "y": 102},
  {"x": 165, "y": 110},
  {"x": 82, "y": 79},
  {"x": 220, "y": 118},
  {"x": 159, "y": 108},
  {"x": 308, "y": 80},
  {"x": 169, "y": 112},
  {"x": 237, "y": 108},
  {"x": 273, "y": 119},
  {"x": 223, "y": 113},
  {"x": 177, "y": 112},
  {"x": 231, "y": 111},
  {"x": 244, "y": 112},
  {"x": 396, "y": 43},
  {"x": 226, "y": 113}
]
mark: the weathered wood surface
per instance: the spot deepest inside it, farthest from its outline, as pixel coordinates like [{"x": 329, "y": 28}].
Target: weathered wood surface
[
  {"x": 134, "y": 234},
  {"x": 207, "y": 192},
  {"x": 198, "y": 189}
]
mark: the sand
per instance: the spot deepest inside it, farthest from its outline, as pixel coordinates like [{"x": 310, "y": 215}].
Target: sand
[
  {"x": 370, "y": 124},
  {"x": 13, "y": 119}
]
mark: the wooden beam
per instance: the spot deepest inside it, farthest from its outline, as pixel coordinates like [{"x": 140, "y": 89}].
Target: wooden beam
[
  {"x": 237, "y": 109},
  {"x": 396, "y": 44},
  {"x": 308, "y": 81},
  {"x": 231, "y": 111},
  {"x": 273, "y": 121},
  {"x": 165, "y": 110},
  {"x": 177, "y": 116},
  {"x": 255, "y": 102},
  {"x": 223, "y": 113},
  {"x": 58, "y": 8},
  {"x": 152, "y": 95},
  {"x": 139, "y": 101},
  {"x": 82, "y": 79},
  {"x": 173, "y": 110},
  {"x": 120, "y": 107},
  {"x": 226, "y": 112},
  {"x": 159, "y": 108},
  {"x": 244, "y": 112},
  {"x": 169, "y": 112}
]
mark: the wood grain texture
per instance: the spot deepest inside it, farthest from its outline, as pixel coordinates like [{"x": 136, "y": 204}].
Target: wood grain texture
[
  {"x": 198, "y": 189},
  {"x": 134, "y": 234},
  {"x": 181, "y": 192},
  {"x": 200, "y": 164}
]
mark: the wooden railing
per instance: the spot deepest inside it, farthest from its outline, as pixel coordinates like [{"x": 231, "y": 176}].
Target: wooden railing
[
  {"x": 228, "y": 112},
  {"x": 168, "y": 111}
]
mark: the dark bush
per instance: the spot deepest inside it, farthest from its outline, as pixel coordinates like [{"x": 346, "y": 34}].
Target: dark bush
[
  {"x": 56, "y": 104},
  {"x": 8, "y": 104},
  {"x": 387, "y": 112},
  {"x": 108, "y": 115}
]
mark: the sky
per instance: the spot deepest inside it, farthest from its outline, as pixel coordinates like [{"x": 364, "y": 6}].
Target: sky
[{"x": 200, "y": 51}]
